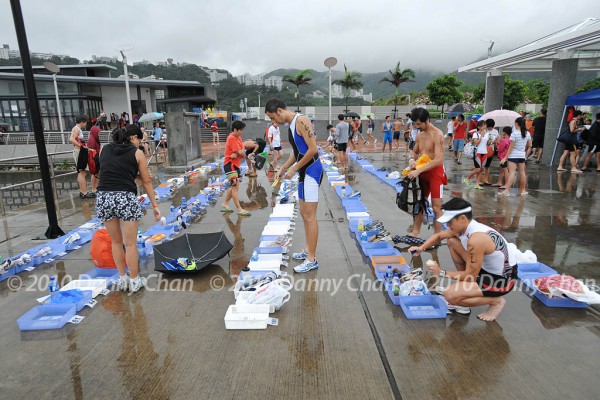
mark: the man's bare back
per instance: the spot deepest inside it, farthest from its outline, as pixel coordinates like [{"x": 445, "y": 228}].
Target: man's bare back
[{"x": 397, "y": 126}]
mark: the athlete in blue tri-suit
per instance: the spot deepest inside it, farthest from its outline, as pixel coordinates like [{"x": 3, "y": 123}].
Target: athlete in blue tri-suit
[{"x": 305, "y": 161}]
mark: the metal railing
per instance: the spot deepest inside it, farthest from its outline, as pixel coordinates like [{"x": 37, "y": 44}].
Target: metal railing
[
  {"x": 16, "y": 185},
  {"x": 49, "y": 137}
]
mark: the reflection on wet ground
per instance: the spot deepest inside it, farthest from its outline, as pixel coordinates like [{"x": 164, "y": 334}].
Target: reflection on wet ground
[{"x": 169, "y": 341}]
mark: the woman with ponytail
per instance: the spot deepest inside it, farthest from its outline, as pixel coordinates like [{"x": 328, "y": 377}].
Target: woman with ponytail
[
  {"x": 520, "y": 141},
  {"x": 116, "y": 202}
]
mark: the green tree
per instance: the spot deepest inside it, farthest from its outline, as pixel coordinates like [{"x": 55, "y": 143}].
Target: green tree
[
  {"x": 537, "y": 91},
  {"x": 591, "y": 85},
  {"x": 302, "y": 78},
  {"x": 396, "y": 78},
  {"x": 351, "y": 80},
  {"x": 514, "y": 92},
  {"x": 444, "y": 90}
]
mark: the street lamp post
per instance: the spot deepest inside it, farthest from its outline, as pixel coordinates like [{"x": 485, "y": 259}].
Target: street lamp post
[
  {"x": 330, "y": 62},
  {"x": 126, "y": 82},
  {"x": 258, "y": 118},
  {"x": 55, "y": 70}
]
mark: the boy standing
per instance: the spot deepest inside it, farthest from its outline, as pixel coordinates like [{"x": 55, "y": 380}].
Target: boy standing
[{"x": 234, "y": 152}]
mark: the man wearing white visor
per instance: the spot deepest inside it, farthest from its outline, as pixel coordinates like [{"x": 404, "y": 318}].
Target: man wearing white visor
[{"x": 480, "y": 254}]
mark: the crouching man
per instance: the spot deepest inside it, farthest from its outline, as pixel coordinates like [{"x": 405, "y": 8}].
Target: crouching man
[{"x": 480, "y": 254}]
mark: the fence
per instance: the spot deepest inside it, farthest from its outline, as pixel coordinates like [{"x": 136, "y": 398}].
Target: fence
[{"x": 34, "y": 185}]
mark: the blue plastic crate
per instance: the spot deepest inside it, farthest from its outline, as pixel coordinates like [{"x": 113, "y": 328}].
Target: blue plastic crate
[
  {"x": 424, "y": 307},
  {"x": 280, "y": 218},
  {"x": 355, "y": 208},
  {"x": 269, "y": 250},
  {"x": 46, "y": 316},
  {"x": 9, "y": 272},
  {"x": 558, "y": 302},
  {"x": 529, "y": 277},
  {"x": 401, "y": 269},
  {"x": 110, "y": 274},
  {"x": 382, "y": 252},
  {"x": 268, "y": 238},
  {"x": 369, "y": 235},
  {"x": 86, "y": 297},
  {"x": 538, "y": 268},
  {"x": 374, "y": 245}
]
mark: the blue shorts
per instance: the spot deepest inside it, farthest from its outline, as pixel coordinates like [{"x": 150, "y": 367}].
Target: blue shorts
[
  {"x": 387, "y": 137},
  {"x": 458, "y": 144}
]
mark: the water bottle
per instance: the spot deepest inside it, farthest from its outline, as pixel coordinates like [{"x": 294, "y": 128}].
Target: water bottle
[
  {"x": 389, "y": 274},
  {"x": 247, "y": 280},
  {"x": 172, "y": 207},
  {"x": 343, "y": 191},
  {"x": 361, "y": 225},
  {"x": 183, "y": 202},
  {"x": 363, "y": 237},
  {"x": 396, "y": 285},
  {"x": 140, "y": 242},
  {"x": 53, "y": 285},
  {"x": 254, "y": 256}
]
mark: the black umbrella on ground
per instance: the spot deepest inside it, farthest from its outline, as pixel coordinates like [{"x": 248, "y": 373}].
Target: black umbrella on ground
[
  {"x": 202, "y": 248},
  {"x": 351, "y": 115},
  {"x": 460, "y": 108}
]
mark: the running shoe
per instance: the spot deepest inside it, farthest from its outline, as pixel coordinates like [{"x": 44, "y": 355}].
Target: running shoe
[
  {"x": 458, "y": 309},
  {"x": 7, "y": 264},
  {"x": 300, "y": 255},
  {"x": 354, "y": 194},
  {"x": 136, "y": 284},
  {"x": 307, "y": 266},
  {"x": 375, "y": 142},
  {"x": 467, "y": 182},
  {"x": 122, "y": 283}
]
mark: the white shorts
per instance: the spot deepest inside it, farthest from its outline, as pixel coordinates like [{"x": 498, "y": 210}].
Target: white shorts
[
  {"x": 309, "y": 190},
  {"x": 215, "y": 134},
  {"x": 369, "y": 131}
]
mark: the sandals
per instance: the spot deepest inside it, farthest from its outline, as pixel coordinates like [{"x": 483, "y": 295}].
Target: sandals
[
  {"x": 226, "y": 210},
  {"x": 244, "y": 213},
  {"x": 495, "y": 185}
]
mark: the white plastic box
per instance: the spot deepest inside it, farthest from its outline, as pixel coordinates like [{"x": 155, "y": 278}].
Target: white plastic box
[
  {"x": 95, "y": 285},
  {"x": 247, "y": 316},
  {"x": 265, "y": 265}
]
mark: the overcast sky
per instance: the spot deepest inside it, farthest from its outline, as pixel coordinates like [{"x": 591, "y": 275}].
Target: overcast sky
[{"x": 262, "y": 35}]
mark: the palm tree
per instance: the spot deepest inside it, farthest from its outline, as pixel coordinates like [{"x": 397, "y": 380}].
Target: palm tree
[
  {"x": 350, "y": 81},
  {"x": 398, "y": 77},
  {"x": 302, "y": 78}
]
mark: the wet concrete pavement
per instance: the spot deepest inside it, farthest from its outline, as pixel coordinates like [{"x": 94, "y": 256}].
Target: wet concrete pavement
[{"x": 350, "y": 343}]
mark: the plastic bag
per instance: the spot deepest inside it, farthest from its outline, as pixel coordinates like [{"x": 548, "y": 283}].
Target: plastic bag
[
  {"x": 414, "y": 287},
  {"x": 587, "y": 295},
  {"x": 275, "y": 293},
  {"x": 516, "y": 256},
  {"x": 469, "y": 150}
]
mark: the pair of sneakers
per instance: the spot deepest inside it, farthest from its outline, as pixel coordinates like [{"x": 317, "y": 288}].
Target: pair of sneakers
[
  {"x": 44, "y": 251},
  {"x": 125, "y": 283},
  {"x": 452, "y": 308},
  {"x": 72, "y": 238},
  {"x": 306, "y": 265}
]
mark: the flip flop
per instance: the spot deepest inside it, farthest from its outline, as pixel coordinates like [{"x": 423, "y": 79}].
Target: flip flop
[
  {"x": 495, "y": 185},
  {"x": 226, "y": 210},
  {"x": 244, "y": 213}
]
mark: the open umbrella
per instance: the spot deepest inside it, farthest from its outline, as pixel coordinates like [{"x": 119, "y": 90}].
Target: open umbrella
[
  {"x": 202, "y": 248},
  {"x": 151, "y": 116},
  {"x": 351, "y": 115},
  {"x": 502, "y": 117},
  {"x": 460, "y": 108}
]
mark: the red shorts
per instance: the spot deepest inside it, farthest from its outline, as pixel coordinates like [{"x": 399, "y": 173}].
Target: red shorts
[{"x": 433, "y": 182}]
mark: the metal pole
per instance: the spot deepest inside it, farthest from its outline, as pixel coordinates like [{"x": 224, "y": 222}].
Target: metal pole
[
  {"x": 330, "y": 95},
  {"x": 53, "y": 176},
  {"x": 60, "y": 122},
  {"x": 258, "y": 118},
  {"x": 53, "y": 230},
  {"x": 2, "y": 210},
  {"x": 127, "y": 86},
  {"x": 557, "y": 135}
]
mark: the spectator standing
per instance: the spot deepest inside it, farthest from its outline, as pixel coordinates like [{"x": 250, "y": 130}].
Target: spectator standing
[
  {"x": 215, "y": 133},
  {"x": 539, "y": 131},
  {"x": 593, "y": 142},
  {"x": 492, "y": 147},
  {"x": 342, "y": 134},
  {"x": 274, "y": 137},
  {"x": 371, "y": 129},
  {"x": 80, "y": 156},
  {"x": 520, "y": 141},
  {"x": 450, "y": 132},
  {"x": 460, "y": 133}
]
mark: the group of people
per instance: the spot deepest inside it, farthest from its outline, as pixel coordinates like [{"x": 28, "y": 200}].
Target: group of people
[{"x": 583, "y": 135}]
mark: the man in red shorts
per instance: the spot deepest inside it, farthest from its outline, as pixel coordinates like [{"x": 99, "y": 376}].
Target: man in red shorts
[
  {"x": 432, "y": 176},
  {"x": 234, "y": 152}
]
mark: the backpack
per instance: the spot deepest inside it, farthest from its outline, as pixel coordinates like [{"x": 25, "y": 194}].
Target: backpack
[
  {"x": 101, "y": 250},
  {"x": 93, "y": 162},
  {"x": 410, "y": 199},
  {"x": 469, "y": 150}
]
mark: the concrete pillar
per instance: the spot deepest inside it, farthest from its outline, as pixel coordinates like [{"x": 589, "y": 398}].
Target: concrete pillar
[
  {"x": 494, "y": 92},
  {"x": 183, "y": 137},
  {"x": 562, "y": 84}
]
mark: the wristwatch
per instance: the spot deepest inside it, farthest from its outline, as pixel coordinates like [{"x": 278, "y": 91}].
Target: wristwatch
[{"x": 442, "y": 273}]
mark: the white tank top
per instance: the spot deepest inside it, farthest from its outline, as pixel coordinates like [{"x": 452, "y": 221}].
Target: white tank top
[{"x": 495, "y": 263}]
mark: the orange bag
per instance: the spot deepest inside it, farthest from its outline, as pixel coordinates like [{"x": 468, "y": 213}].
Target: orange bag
[{"x": 101, "y": 250}]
